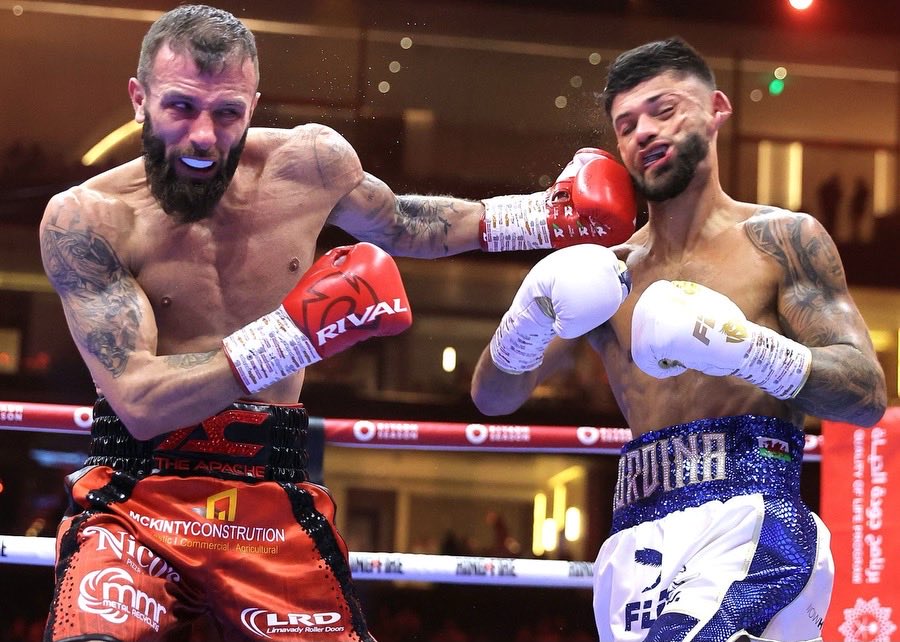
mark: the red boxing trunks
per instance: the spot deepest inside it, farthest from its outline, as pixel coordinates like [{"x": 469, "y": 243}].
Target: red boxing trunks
[{"x": 216, "y": 519}]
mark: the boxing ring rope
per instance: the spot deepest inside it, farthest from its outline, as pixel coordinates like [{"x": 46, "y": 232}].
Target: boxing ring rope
[
  {"x": 394, "y": 434},
  {"x": 410, "y": 567},
  {"x": 371, "y": 433}
]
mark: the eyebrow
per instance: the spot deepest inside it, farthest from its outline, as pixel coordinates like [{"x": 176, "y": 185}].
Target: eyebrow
[
  {"x": 176, "y": 95},
  {"x": 648, "y": 101}
]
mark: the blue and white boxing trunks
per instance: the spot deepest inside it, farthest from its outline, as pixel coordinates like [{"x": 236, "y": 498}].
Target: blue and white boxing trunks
[{"x": 711, "y": 541}]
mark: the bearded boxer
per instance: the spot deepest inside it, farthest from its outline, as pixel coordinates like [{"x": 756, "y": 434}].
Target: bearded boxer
[
  {"x": 738, "y": 324},
  {"x": 189, "y": 285}
]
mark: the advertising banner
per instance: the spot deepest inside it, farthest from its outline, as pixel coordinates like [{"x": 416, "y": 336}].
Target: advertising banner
[{"x": 860, "y": 504}]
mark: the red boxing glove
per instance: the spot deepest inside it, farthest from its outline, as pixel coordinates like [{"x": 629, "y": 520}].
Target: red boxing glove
[
  {"x": 592, "y": 201},
  {"x": 350, "y": 294}
]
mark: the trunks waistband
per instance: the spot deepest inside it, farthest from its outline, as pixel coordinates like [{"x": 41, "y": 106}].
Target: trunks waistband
[
  {"x": 245, "y": 441},
  {"x": 709, "y": 459}
]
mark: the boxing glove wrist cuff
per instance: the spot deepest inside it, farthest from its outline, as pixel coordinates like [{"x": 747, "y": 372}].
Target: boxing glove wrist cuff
[
  {"x": 515, "y": 223},
  {"x": 778, "y": 365},
  {"x": 518, "y": 343},
  {"x": 268, "y": 350}
]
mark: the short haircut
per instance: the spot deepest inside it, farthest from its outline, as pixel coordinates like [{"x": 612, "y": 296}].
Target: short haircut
[
  {"x": 634, "y": 66},
  {"x": 211, "y": 36}
]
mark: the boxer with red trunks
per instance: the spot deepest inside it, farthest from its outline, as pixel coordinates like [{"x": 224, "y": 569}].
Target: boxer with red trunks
[
  {"x": 720, "y": 325},
  {"x": 190, "y": 288}
]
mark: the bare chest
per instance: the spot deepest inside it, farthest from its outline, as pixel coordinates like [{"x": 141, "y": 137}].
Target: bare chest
[
  {"x": 733, "y": 267},
  {"x": 205, "y": 281},
  {"x": 738, "y": 271}
]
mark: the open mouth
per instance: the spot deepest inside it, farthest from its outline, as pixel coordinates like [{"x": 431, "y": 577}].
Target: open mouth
[
  {"x": 199, "y": 164},
  {"x": 653, "y": 155}
]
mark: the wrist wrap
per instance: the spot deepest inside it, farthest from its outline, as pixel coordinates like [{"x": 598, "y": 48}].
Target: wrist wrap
[
  {"x": 778, "y": 365},
  {"x": 515, "y": 223},
  {"x": 268, "y": 350}
]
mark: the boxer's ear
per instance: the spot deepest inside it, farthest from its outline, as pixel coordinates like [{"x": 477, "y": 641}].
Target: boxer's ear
[
  {"x": 721, "y": 107},
  {"x": 138, "y": 97}
]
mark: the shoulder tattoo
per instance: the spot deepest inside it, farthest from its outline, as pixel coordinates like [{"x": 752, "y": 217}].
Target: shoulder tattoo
[
  {"x": 813, "y": 277},
  {"x": 98, "y": 292},
  {"x": 801, "y": 246},
  {"x": 334, "y": 157}
]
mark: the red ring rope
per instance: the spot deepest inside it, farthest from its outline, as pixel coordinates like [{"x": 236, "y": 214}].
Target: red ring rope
[{"x": 378, "y": 433}]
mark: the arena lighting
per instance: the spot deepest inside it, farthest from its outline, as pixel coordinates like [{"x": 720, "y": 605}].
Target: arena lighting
[
  {"x": 776, "y": 84},
  {"x": 572, "y": 528},
  {"x": 882, "y": 180},
  {"x": 35, "y": 527},
  {"x": 550, "y": 534},
  {"x": 779, "y": 173},
  {"x": 448, "y": 359},
  {"x": 559, "y": 504},
  {"x": 540, "y": 514},
  {"x": 800, "y": 5},
  {"x": 795, "y": 176},
  {"x": 105, "y": 144}
]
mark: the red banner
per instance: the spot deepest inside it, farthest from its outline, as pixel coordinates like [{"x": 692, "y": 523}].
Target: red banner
[{"x": 861, "y": 506}]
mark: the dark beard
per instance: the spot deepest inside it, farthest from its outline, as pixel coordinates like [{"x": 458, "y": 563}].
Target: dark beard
[
  {"x": 187, "y": 201},
  {"x": 680, "y": 173}
]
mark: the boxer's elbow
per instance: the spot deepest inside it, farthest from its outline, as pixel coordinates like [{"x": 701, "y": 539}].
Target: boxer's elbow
[
  {"x": 141, "y": 412},
  {"x": 871, "y": 412},
  {"x": 873, "y": 403},
  {"x": 136, "y": 418},
  {"x": 492, "y": 404},
  {"x": 863, "y": 402},
  {"x": 499, "y": 393}
]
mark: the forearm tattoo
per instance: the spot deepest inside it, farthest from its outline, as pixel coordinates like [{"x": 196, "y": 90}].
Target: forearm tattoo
[
  {"x": 425, "y": 217},
  {"x": 812, "y": 307},
  {"x": 103, "y": 307},
  {"x": 190, "y": 360}
]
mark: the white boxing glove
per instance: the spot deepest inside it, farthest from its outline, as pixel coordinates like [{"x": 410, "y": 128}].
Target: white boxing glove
[
  {"x": 567, "y": 293},
  {"x": 680, "y": 324}
]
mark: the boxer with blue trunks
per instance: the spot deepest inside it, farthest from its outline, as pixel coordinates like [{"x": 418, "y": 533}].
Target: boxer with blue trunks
[
  {"x": 721, "y": 325},
  {"x": 710, "y": 536}
]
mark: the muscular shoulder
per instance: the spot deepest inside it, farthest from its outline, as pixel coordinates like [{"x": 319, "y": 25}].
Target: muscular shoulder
[
  {"x": 85, "y": 221},
  {"x": 765, "y": 217},
  {"x": 307, "y": 153},
  {"x": 105, "y": 201},
  {"x": 794, "y": 239},
  {"x": 800, "y": 244}
]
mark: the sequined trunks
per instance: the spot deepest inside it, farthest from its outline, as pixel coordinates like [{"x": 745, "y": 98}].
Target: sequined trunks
[{"x": 709, "y": 459}]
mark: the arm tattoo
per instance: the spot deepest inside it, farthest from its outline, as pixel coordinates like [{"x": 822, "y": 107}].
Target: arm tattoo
[
  {"x": 844, "y": 383},
  {"x": 100, "y": 295},
  {"x": 190, "y": 360},
  {"x": 812, "y": 272},
  {"x": 802, "y": 254},
  {"x": 411, "y": 225},
  {"x": 425, "y": 216}
]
